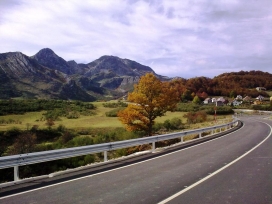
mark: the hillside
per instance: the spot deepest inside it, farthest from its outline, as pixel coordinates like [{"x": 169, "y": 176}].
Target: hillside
[
  {"x": 229, "y": 84},
  {"x": 48, "y": 76}
]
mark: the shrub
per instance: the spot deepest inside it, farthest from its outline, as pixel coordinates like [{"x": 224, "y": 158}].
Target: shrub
[
  {"x": 167, "y": 124},
  {"x": 195, "y": 117},
  {"x": 80, "y": 141},
  {"x": 187, "y": 107},
  {"x": 89, "y": 159},
  {"x": 114, "y": 112},
  {"x": 157, "y": 127},
  {"x": 24, "y": 143},
  {"x": 115, "y": 105}
]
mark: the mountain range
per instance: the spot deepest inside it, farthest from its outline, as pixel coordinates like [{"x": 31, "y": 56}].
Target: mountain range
[{"x": 46, "y": 75}]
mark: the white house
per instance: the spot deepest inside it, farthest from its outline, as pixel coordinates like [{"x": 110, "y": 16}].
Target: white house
[
  {"x": 239, "y": 97},
  {"x": 236, "y": 103},
  {"x": 260, "y": 98},
  {"x": 221, "y": 99},
  {"x": 207, "y": 101},
  {"x": 261, "y": 89}
]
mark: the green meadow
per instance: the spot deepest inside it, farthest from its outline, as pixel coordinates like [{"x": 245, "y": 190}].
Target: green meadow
[{"x": 99, "y": 120}]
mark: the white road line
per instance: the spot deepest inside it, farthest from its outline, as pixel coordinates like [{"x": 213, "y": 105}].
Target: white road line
[
  {"x": 117, "y": 168},
  {"x": 216, "y": 172}
]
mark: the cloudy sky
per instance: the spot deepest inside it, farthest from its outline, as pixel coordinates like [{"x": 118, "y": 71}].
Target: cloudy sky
[{"x": 175, "y": 38}]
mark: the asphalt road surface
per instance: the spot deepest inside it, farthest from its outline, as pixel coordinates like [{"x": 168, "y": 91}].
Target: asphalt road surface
[{"x": 235, "y": 168}]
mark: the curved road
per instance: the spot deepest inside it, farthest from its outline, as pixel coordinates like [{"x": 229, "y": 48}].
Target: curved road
[{"x": 235, "y": 168}]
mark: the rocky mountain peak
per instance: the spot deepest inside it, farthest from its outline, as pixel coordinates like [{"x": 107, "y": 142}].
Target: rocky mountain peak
[
  {"x": 46, "y": 53},
  {"x": 121, "y": 67},
  {"x": 48, "y": 58}
]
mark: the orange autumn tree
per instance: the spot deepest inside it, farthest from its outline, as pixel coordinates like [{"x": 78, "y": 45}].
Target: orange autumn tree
[{"x": 150, "y": 99}]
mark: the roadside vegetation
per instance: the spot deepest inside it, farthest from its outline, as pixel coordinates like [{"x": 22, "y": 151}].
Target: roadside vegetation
[{"x": 33, "y": 131}]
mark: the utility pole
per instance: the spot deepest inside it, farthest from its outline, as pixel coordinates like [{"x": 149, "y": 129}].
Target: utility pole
[{"x": 215, "y": 111}]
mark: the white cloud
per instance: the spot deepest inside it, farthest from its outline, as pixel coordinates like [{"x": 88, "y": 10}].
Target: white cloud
[{"x": 184, "y": 38}]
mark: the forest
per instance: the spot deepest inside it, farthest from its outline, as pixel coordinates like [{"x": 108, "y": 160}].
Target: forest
[{"x": 228, "y": 84}]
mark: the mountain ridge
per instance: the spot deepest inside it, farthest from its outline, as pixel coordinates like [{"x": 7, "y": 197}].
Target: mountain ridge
[{"x": 46, "y": 75}]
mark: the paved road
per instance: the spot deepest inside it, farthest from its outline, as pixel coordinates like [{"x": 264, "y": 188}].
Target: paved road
[{"x": 249, "y": 180}]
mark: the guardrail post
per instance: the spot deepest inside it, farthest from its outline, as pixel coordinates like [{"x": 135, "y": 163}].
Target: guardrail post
[
  {"x": 153, "y": 147},
  {"x": 105, "y": 156},
  {"x": 200, "y": 135},
  {"x": 16, "y": 173},
  {"x": 181, "y": 139}
]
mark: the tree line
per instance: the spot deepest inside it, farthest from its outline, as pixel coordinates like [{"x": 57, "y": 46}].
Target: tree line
[
  {"x": 30, "y": 105},
  {"x": 228, "y": 84}
]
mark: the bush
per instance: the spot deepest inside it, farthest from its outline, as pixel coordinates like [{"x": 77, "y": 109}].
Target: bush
[
  {"x": 262, "y": 107},
  {"x": 115, "y": 105},
  {"x": 114, "y": 112},
  {"x": 176, "y": 123},
  {"x": 167, "y": 124},
  {"x": 220, "y": 110},
  {"x": 187, "y": 107},
  {"x": 196, "y": 117},
  {"x": 67, "y": 136},
  {"x": 80, "y": 141},
  {"x": 157, "y": 127},
  {"x": 120, "y": 152},
  {"x": 209, "y": 109},
  {"x": 173, "y": 124},
  {"x": 88, "y": 159}
]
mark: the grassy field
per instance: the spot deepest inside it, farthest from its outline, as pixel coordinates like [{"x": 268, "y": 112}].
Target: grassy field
[{"x": 96, "y": 121}]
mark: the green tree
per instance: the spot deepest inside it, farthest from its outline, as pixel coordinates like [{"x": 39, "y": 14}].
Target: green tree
[
  {"x": 196, "y": 100},
  {"x": 186, "y": 96},
  {"x": 150, "y": 99},
  {"x": 233, "y": 94}
]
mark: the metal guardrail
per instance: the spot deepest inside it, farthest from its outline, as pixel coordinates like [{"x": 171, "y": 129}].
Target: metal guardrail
[{"x": 39, "y": 157}]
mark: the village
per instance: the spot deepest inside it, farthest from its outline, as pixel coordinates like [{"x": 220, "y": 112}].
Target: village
[{"x": 239, "y": 100}]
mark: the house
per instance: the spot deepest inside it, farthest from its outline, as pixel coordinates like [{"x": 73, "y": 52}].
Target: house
[
  {"x": 260, "y": 98},
  {"x": 247, "y": 99},
  {"x": 221, "y": 99},
  {"x": 260, "y": 89},
  {"x": 219, "y": 103},
  {"x": 239, "y": 97},
  {"x": 236, "y": 103},
  {"x": 207, "y": 101}
]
